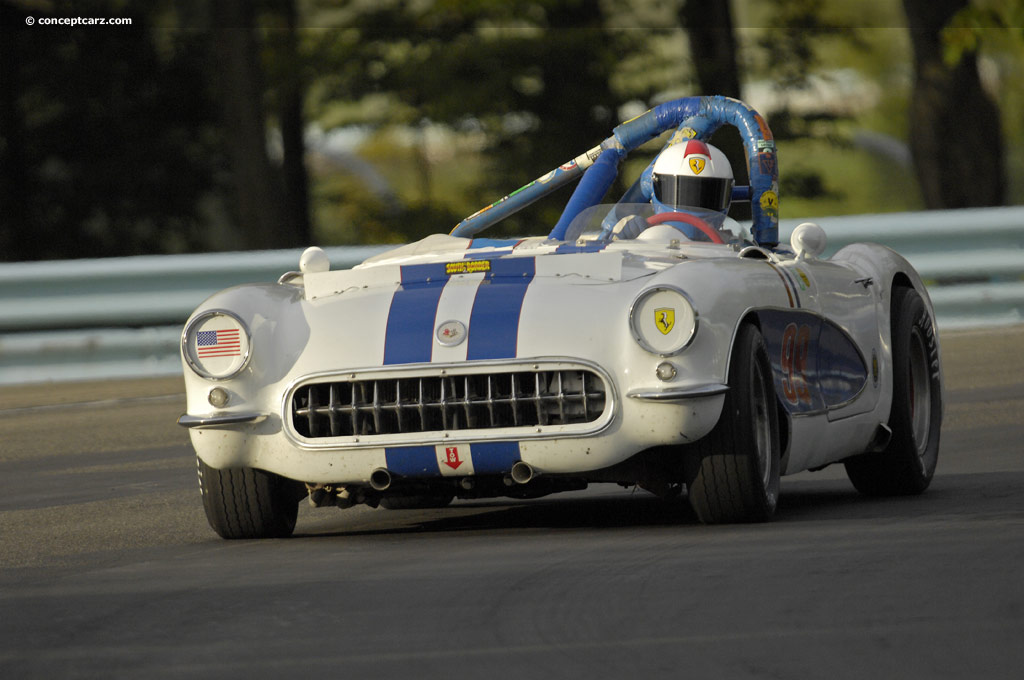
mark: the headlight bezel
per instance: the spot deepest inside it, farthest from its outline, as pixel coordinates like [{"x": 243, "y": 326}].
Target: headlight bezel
[
  {"x": 188, "y": 344},
  {"x": 635, "y": 321}
]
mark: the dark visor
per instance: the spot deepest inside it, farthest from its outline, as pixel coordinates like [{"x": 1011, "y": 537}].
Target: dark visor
[{"x": 713, "y": 193}]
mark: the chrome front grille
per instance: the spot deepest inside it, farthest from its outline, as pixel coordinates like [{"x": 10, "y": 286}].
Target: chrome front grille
[{"x": 509, "y": 399}]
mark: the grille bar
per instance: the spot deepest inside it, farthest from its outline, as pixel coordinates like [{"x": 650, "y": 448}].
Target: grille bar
[{"x": 382, "y": 406}]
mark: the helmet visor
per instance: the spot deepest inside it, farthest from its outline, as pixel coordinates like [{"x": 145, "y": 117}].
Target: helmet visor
[{"x": 712, "y": 193}]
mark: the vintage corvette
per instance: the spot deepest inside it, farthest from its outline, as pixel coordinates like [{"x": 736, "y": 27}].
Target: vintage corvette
[{"x": 706, "y": 361}]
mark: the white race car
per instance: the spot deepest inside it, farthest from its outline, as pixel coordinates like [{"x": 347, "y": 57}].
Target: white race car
[{"x": 640, "y": 343}]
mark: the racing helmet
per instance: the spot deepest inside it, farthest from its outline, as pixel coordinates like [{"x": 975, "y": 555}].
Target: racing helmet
[{"x": 693, "y": 174}]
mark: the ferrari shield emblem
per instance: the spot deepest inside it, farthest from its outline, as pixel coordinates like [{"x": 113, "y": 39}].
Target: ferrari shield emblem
[
  {"x": 665, "y": 319},
  {"x": 697, "y": 165}
]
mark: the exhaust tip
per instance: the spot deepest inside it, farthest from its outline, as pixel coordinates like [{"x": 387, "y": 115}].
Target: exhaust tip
[
  {"x": 522, "y": 473},
  {"x": 380, "y": 479}
]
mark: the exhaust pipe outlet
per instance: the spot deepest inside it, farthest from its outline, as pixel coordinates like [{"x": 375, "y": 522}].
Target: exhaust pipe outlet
[
  {"x": 522, "y": 473},
  {"x": 380, "y": 479}
]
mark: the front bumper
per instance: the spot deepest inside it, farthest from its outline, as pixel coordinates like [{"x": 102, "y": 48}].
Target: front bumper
[{"x": 241, "y": 440}]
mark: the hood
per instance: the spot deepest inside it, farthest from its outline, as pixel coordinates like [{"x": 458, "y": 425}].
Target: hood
[{"x": 440, "y": 257}]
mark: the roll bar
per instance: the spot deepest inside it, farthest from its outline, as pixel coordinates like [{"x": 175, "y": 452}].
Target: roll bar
[{"x": 693, "y": 118}]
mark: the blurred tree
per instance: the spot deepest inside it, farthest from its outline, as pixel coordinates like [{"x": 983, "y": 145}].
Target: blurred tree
[
  {"x": 795, "y": 28},
  {"x": 237, "y": 79},
  {"x": 289, "y": 79},
  {"x": 955, "y": 136},
  {"x": 107, "y": 145},
  {"x": 709, "y": 26},
  {"x": 530, "y": 76}
]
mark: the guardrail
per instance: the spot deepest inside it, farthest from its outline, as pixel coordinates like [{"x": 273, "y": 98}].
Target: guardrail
[{"x": 122, "y": 317}]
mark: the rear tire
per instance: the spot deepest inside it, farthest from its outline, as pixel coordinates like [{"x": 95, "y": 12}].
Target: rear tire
[
  {"x": 248, "y": 503},
  {"x": 732, "y": 474},
  {"x": 907, "y": 464}
]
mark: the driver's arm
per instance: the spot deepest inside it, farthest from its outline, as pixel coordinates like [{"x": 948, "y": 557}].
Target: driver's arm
[{"x": 629, "y": 227}]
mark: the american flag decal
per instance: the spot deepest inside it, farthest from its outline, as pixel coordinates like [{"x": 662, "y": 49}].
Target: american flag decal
[{"x": 224, "y": 343}]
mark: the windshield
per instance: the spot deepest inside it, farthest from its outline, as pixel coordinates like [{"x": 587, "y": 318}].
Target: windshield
[{"x": 599, "y": 221}]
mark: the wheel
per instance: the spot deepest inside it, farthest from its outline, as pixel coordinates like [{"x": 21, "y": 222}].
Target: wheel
[
  {"x": 248, "y": 503},
  {"x": 733, "y": 475},
  {"x": 908, "y": 462},
  {"x": 417, "y": 502}
]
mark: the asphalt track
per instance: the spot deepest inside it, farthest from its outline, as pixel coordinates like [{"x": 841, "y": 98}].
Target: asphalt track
[{"x": 108, "y": 569}]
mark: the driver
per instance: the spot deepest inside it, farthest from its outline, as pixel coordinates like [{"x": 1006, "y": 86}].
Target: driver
[
  {"x": 692, "y": 174},
  {"x": 688, "y": 175}
]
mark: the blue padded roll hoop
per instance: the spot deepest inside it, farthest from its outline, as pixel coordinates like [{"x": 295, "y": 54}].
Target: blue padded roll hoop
[
  {"x": 702, "y": 115},
  {"x": 596, "y": 181}
]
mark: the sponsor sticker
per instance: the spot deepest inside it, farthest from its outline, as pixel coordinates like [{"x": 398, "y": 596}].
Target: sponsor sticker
[
  {"x": 770, "y": 203},
  {"x": 682, "y": 135},
  {"x": 467, "y": 267},
  {"x": 697, "y": 165}
]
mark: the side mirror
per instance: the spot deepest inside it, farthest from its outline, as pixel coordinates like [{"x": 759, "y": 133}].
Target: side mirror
[{"x": 808, "y": 241}]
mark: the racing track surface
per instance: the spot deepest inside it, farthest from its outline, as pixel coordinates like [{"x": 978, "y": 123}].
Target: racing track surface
[{"x": 108, "y": 569}]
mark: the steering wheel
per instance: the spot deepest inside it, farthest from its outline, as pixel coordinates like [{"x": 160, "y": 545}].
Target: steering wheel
[{"x": 689, "y": 219}]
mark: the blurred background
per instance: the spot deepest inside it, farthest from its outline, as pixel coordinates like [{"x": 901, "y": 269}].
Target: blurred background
[{"x": 237, "y": 124}]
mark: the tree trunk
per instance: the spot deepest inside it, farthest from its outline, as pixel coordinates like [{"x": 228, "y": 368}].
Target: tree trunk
[
  {"x": 239, "y": 83},
  {"x": 16, "y": 233},
  {"x": 295, "y": 229},
  {"x": 955, "y": 134},
  {"x": 708, "y": 24}
]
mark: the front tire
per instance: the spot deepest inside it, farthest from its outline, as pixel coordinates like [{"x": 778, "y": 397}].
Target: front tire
[
  {"x": 248, "y": 503},
  {"x": 907, "y": 464},
  {"x": 733, "y": 473}
]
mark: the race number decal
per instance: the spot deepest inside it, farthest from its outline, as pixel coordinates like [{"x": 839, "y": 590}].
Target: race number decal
[
  {"x": 815, "y": 364},
  {"x": 796, "y": 345}
]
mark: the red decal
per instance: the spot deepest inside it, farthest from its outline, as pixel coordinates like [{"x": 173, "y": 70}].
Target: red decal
[
  {"x": 696, "y": 146},
  {"x": 451, "y": 454},
  {"x": 796, "y": 344}
]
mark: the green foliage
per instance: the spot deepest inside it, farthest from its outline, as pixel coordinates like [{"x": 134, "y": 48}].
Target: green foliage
[
  {"x": 107, "y": 143},
  {"x": 112, "y": 143},
  {"x": 529, "y": 80},
  {"x": 996, "y": 22}
]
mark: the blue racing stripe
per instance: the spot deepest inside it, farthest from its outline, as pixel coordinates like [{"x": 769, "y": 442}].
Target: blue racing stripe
[
  {"x": 412, "y": 461},
  {"x": 494, "y": 321},
  {"x": 494, "y": 457},
  {"x": 410, "y": 330},
  {"x": 494, "y": 242}
]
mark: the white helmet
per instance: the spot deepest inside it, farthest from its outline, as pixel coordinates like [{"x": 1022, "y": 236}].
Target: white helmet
[{"x": 693, "y": 174}]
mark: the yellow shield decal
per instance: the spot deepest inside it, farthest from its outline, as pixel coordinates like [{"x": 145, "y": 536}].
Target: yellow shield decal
[
  {"x": 665, "y": 319},
  {"x": 697, "y": 165}
]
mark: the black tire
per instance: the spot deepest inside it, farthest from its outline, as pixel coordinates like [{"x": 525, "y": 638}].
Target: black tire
[
  {"x": 732, "y": 474},
  {"x": 248, "y": 503},
  {"x": 907, "y": 464}
]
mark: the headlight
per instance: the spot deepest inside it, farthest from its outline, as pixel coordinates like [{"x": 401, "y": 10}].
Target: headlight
[
  {"x": 216, "y": 344},
  {"x": 663, "y": 320}
]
